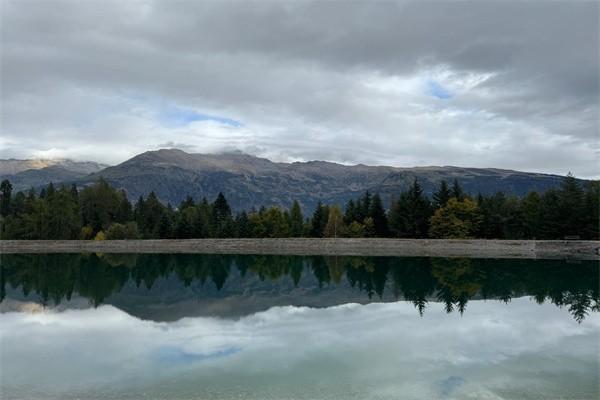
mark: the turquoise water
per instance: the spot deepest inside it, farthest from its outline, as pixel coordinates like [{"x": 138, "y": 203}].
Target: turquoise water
[{"x": 275, "y": 327}]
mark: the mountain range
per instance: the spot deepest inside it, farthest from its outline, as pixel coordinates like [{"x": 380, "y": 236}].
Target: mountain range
[
  {"x": 24, "y": 174},
  {"x": 248, "y": 181}
]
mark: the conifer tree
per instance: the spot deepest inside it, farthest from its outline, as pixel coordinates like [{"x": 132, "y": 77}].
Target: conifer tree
[
  {"x": 221, "y": 217},
  {"x": 571, "y": 206},
  {"x": 319, "y": 220},
  {"x": 377, "y": 213},
  {"x": 296, "y": 220},
  {"x": 409, "y": 216},
  {"x": 442, "y": 195},
  {"x": 6, "y": 193},
  {"x": 457, "y": 191}
]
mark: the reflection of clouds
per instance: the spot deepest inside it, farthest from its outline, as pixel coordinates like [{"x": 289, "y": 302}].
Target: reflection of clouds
[
  {"x": 450, "y": 384},
  {"x": 176, "y": 355},
  {"x": 376, "y": 350}
]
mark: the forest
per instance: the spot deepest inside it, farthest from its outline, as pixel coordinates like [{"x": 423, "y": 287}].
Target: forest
[{"x": 102, "y": 212}]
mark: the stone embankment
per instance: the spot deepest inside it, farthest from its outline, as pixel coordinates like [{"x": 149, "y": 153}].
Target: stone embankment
[{"x": 542, "y": 249}]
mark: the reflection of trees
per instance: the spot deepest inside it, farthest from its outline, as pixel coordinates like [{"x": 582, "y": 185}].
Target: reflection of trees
[{"x": 453, "y": 282}]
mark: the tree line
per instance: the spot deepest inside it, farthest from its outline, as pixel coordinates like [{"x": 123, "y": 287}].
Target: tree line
[
  {"x": 453, "y": 282},
  {"x": 102, "y": 212}
]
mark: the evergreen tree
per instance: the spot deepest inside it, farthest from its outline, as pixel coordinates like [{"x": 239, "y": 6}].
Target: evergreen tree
[
  {"x": 188, "y": 202},
  {"x": 377, "y": 213},
  {"x": 242, "y": 223},
  {"x": 457, "y": 191},
  {"x": 319, "y": 220},
  {"x": 296, "y": 220},
  {"x": 185, "y": 225},
  {"x": 350, "y": 214},
  {"x": 442, "y": 195},
  {"x": 99, "y": 205},
  {"x": 64, "y": 220},
  {"x": 409, "y": 216},
  {"x": 493, "y": 216},
  {"x": 591, "y": 223},
  {"x": 274, "y": 223},
  {"x": 571, "y": 207},
  {"x": 149, "y": 215},
  {"x": 202, "y": 224},
  {"x": 531, "y": 213},
  {"x": 6, "y": 193},
  {"x": 221, "y": 217},
  {"x": 165, "y": 226},
  {"x": 551, "y": 221},
  {"x": 124, "y": 212},
  {"x": 364, "y": 207}
]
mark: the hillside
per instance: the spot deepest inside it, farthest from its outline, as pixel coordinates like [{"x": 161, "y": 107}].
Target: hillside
[
  {"x": 25, "y": 174},
  {"x": 249, "y": 181}
]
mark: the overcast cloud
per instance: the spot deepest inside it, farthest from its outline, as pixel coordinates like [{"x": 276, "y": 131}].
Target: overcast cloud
[{"x": 486, "y": 84}]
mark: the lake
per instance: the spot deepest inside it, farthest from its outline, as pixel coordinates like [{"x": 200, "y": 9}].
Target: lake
[{"x": 161, "y": 326}]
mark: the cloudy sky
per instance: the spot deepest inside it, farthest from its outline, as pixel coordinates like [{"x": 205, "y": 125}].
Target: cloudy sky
[{"x": 510, "y": 85}]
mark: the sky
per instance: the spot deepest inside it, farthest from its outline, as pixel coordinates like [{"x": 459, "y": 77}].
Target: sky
[{"x": 477, "y": 84}]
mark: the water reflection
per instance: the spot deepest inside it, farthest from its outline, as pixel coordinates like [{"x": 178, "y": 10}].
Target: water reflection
[
  {"x": 106, "y": 278},
  {"x": 352, "y": 351}
]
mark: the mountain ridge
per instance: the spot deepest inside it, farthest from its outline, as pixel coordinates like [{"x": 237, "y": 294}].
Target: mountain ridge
[{"x": 251, "y": 182}]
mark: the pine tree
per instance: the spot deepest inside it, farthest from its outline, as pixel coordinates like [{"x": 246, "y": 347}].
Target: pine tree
[
  {"x": 591, "y": 223},
  {"x": 551, "y": 221},
  {"x": 377, "y": 213},
  {"x": 350, "y": 212},
  {"x": 457, "y": 191},
  {"x": 442, "y": 195},
  {"x": 64, "y": 220},
  {"x": 221, "y": 217},
  {"x": 532, "y": 217},
  {"x": 296, "y": 220},
  {"x": 124, "y": 212},
  {"x": 6, "y": 193},
  {"x": 99, "y": 205},
  {"x": 364, "y": 206},
  {"x": 409, "y": 216},
  {"x": 242, "y": 223},
  {"x": 165, "y": 226},
  {"x": 188, "y": 202},
  {"x": 319, "y": 220},
  {"x": 571, "y": 206},
  {"x": 203, "y": 225}
]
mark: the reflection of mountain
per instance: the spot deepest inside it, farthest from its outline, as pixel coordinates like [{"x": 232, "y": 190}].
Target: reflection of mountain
[{"x": 168, "y": 287}]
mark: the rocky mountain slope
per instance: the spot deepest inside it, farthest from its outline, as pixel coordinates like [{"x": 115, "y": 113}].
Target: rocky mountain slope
[
  {"x": 249, "y": 181},
  {"x": 25, "y": 174}
]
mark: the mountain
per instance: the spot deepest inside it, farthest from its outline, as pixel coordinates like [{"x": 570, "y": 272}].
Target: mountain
[
  {"x": 24, "y": 174},
  {"x": 249, "y": 181}
]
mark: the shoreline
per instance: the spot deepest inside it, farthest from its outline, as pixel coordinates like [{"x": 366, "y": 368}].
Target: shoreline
[{"x": 476, "y": 248}]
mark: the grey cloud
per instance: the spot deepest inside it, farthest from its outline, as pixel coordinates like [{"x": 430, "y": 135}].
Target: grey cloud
[{"x": 75, "y": 72}]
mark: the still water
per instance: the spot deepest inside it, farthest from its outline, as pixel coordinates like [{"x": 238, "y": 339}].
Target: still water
[{"x": 284, "y": 327}]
